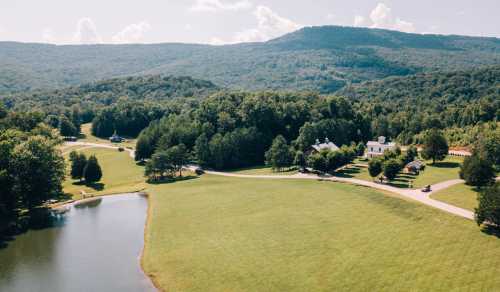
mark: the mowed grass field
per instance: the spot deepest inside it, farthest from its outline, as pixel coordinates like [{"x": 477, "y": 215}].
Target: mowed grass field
[
  {"x": 233, "y": 234},
  {"x": 88, "y": 137},
  {"x": 460, "y": 195},
  {"x": 120, "y": 174}
]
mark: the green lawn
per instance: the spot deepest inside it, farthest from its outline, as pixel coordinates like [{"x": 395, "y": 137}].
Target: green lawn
[
  {"x": 439, "y": 172},
  {"x": 264, "y": 170},
  {"x": 120, "y": 174},
  {"x": 230, "y": 234},
  {"x": 460, "y": 195},
  {"x": 88, "y": 137}
]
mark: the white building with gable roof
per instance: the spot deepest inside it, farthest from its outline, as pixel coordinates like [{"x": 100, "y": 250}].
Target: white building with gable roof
[{"x": 377, "y": 148}]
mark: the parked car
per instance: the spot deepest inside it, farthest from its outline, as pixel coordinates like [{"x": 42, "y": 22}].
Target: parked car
[
  {"x": 199, "y": 171},
  {"x": 121, "y": 149},
  {"x": 426, "y": 189}
]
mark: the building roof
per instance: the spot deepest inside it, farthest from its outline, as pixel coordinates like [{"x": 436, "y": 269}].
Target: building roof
[
  {"x": 418, "y": 164},
  {"x": 330, "y": 146},
  {"x": 376, "y": 143}
]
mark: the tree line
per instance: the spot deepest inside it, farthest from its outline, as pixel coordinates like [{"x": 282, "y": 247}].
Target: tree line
[{"x": 32, "y": 169}]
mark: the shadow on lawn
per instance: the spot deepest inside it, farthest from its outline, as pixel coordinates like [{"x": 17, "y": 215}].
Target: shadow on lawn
[
  {"x": 348, "y": 172},
  {"x": 95, "y": 186},
  {"x": 171, "y": 180},
  {"x": 445, "y": 164},
  {"x": 492, "y": 230}
]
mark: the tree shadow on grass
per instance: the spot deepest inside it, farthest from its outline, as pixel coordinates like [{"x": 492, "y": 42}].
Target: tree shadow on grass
[
  {"x": 445, "y": 164},
  {"x": 491, "y": 230},
  {"x": 170, "y": 180},
  {"x": 96, "y": 186},
  {"x": 348, "y": 172}
]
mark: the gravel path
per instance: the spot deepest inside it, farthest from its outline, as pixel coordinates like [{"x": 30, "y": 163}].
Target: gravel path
[{"x": 413, "y": 194}]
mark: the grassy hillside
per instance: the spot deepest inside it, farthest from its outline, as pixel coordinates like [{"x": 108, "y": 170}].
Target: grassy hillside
[
  {"x": 319, "y": 58},
  {"x": 227, "y": 234}
]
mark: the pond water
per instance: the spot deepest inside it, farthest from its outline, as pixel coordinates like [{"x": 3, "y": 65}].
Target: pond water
[{"x": 93, "y": 247}]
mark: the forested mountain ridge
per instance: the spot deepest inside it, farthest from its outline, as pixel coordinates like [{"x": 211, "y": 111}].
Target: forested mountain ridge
[
  {"x": 107, "y": 92},
  {"x": 405, "y": 106},
  {"x": 314, "y": 58}
]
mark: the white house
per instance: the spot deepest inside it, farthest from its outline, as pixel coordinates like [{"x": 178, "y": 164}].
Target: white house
[
  {"x": 327, "y": 145},
  {"x": 377, "y": 148}
]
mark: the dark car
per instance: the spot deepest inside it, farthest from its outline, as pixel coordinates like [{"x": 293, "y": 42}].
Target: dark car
[
  {"x": 426, "y": 189},
  {"x": 199, "y": 171}
]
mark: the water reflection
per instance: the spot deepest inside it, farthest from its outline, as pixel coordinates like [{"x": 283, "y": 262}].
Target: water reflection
[{"x": 92, "y": 247}]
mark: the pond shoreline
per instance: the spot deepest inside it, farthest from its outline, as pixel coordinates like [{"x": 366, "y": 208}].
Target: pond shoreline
[{"x": 72, "y": 203}]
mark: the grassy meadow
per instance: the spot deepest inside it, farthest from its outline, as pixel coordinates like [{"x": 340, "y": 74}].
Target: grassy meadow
[
  {"x": 230, "y": 234},
  {"x": 120, "y": 174},
  {"x": 265, "y": 170},
  {"x": 460, "y": 195},
  {"x": 88, "y": 137}
]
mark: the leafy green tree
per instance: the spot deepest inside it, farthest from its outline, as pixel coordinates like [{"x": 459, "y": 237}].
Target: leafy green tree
[
  {"x": 37, "y": 168},
  {"x": 375, "y": 167},
  {"x": 477, "y": 171},
  {"x": 143, "y": 148},
  {"x": 488, "y": 147},
  {"x": 159, "y": 166},
  {"x": 279, "y": 155},
  {"x": 300, "y": 160},
  {"x": 435, "y": 146},
  {"x": 66, "y": 127},
  {"x": 78, "y": 163},
  {"x": 488, "y": 210},
  {"x": 335, "y": 159},
  {"x": 318, "y": 162},
  {"x": 202, "y": 150},
  {"x": 177, "y": 157},
  {"x": 92, "y": 171},
  {"x": 391, "y": 168},
  {"x": 360, "y": 149}
]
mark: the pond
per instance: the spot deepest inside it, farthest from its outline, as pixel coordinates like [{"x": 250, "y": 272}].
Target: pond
[{"x": 92, "y": 247}]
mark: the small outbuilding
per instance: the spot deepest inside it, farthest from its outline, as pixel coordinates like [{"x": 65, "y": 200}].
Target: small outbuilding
[
  {"x": 115, "y": 139},
  {"x": 415, "y": 166},
  {"x": 318, "y": 146}
]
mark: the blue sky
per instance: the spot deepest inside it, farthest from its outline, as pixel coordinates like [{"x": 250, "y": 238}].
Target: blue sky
[{"x": 231, "y": 21}]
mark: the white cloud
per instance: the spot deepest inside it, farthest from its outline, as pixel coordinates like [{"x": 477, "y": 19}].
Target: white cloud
[
  {"x": 269, "y": 25},
  {"x": 381, "y": 17},
  {"x": 359, "y": 20},
  {"x": 216, "y": 41},
  {"x": 331, "y": 16},
  {"x": 218, "y": 5},
  {"x": 48, "y": 36},
  {"x": 133, "y": 33},
  {"x": 188, "y": 27},
  {"x": 86, "y": 32}
]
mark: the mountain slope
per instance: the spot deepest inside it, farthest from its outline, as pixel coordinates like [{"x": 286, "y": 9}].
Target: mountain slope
[
  {"x": 316, "y": 58},
  {"x": 107, "y": 92}
]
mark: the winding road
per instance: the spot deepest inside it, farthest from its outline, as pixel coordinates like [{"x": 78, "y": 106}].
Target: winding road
[{"x": 414, "y": 194}]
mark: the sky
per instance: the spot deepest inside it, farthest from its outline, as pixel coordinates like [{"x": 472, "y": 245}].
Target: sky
[{"x": 231, "y": 21}]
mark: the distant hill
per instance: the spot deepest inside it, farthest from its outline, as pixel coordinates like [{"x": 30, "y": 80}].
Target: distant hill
[
  {"x": 107, "y": 92},
  {"x": 405, "y": 106},
  {"x": 316, "y": 58}
]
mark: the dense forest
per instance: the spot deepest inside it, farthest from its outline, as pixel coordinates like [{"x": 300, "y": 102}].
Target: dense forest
[
  {"x": 31, "y": 170},
  {"x": 402, "y": 107},
  {"x": 323, "y": 59},
  {"x": 234, "y": 129},
  {"x": 125, "y": 105}
]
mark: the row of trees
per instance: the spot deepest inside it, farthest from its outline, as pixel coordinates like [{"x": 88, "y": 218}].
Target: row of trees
[
  {"x": 83, "y": 168},
  {"x": 31, "y": 169}
]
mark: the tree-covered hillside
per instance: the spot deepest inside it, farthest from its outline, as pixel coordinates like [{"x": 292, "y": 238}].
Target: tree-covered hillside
[
  {"x": 405, "y": 106},
  {"x": 103, "y": 93},
  {"x": 317, "y": 58}
]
